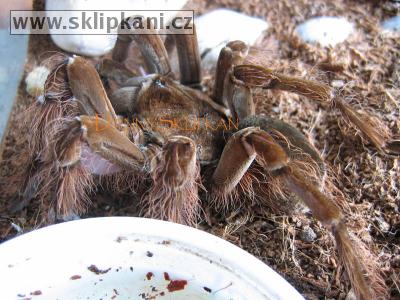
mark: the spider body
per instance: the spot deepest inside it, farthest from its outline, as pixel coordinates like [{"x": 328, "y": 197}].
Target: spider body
[
  {"x": 169, "y": 109},
  {"x": 174, "y": 138}
]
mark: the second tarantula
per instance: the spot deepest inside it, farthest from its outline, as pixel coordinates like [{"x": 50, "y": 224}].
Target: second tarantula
[{"x": 182, "y": 140}]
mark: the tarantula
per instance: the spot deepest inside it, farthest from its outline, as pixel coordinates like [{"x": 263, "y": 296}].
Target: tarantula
[{"x": 175, "y": 140}]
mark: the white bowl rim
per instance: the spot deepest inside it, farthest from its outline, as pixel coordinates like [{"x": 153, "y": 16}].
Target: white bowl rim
[{"x": 260, "y": 274}]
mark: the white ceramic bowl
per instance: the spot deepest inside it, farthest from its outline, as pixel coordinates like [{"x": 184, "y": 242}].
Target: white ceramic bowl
[{"x": 132, "y": 258}]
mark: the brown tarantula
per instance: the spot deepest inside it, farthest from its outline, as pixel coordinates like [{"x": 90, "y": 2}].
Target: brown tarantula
[{"x": 176, "y": 139}]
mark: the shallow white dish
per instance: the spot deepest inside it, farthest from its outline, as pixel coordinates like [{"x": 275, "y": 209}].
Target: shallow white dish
[{"x": 132, "y": 258}]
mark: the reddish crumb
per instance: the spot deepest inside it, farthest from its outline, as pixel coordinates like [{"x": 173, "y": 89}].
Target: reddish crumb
[
  {"x": 176, "y": 285},
  {"x": 75, "y": 277},
  {"x": 36, "y": 293},
  {"x": 166, "y": 276},
  {"x": 149, "y": 275}
]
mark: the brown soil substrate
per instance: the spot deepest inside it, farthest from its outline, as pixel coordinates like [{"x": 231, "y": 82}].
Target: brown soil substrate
[{"x": 369, "y": 65}]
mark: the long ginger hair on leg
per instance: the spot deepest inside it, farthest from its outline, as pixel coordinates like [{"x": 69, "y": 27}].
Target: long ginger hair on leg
[
  {"x": 175, "y": 174},
  {"x": 361, "y": 266}
]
